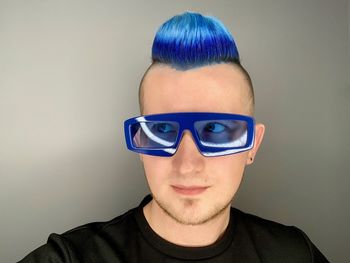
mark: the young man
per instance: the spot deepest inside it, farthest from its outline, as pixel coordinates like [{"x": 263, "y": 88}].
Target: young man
[{"x": 195, "y": 135}]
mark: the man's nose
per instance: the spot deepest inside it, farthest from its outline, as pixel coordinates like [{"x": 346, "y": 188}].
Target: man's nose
[{"x": 188, "y": 159}]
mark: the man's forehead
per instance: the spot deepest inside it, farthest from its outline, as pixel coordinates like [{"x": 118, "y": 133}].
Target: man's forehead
[
  {"x": 219, "y": 78},
  {"x": 224, "y": 70},
  {"x": 222, "y": 84}
]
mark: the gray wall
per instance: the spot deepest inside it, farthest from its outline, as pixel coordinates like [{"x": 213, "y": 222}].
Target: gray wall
[{"x": 69, "y": 72}]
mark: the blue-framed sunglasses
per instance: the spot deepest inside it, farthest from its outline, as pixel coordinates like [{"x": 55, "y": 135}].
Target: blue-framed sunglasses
[{"x": 215, "y": 134}]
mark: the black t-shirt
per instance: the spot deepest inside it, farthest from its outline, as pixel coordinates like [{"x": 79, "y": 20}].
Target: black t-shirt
[{"x": 129, "y": 238}]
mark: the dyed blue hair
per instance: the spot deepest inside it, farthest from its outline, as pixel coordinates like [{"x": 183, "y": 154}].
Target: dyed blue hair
[{"x": 192, "y": 40}]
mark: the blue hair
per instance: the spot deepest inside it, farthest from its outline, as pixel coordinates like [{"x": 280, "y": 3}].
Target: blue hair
[{"x": 192, "y": 40}]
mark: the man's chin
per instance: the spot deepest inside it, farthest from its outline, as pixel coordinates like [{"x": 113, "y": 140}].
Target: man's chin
[{"x": 191, "y": 211}]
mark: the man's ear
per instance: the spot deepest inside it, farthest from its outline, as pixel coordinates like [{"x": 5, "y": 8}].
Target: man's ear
[{"x": 259, "y": 135}]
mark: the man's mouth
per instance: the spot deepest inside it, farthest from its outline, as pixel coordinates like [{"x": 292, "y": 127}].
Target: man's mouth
[{"x": 189, "y": 190}]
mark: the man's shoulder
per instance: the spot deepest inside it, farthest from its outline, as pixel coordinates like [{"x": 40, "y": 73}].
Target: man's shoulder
[
  {"x": 121, "y": 226},
  {"x": 275, "y": 240},
  {"x": 121, "y": 223},
  {"x": 84, "y": 243},
  {"x": 259, "y": 227}
]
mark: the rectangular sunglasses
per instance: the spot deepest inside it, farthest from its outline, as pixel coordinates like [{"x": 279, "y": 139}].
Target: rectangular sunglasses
[{"x": 215, "y": 134}]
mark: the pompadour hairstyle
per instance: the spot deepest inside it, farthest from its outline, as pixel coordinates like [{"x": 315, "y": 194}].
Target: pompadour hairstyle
[{"x": 192, "y": 40}]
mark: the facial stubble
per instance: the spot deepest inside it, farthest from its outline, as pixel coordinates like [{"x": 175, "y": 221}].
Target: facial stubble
[{"x": 190, "y": 203}]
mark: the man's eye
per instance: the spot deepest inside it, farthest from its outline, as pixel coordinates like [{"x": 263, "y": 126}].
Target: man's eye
[
  {"x": 164, "y": 128},
  {"x": 214, "y": 127}
]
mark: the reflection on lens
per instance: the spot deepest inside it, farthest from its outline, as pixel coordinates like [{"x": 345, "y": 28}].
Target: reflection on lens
[
  {"x": 222, "y": 133},
  {"x": 154, "y": 134}
]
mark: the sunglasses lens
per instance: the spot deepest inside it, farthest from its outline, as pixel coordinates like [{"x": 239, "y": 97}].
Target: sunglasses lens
[
  {"x": 154, "y": 134},
  {"x": 222, "y": 133}
]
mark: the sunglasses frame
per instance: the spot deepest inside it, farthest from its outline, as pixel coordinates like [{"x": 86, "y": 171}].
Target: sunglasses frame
[{"x": 186, "y": 121}]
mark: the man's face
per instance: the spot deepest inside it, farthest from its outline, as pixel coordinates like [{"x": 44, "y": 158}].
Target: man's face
[{"x": 189, "y": 187}]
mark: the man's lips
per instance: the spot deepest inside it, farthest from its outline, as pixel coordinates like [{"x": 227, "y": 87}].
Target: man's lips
[{"x": 189, "y": 190}]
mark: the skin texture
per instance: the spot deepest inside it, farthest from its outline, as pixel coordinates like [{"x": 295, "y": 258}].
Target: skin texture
[
  {"x": 240, "y": 68},
  {"x": 195, "y": 219}
]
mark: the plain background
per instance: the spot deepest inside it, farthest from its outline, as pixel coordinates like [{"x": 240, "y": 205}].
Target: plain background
[{"x": 69, "y": 75}]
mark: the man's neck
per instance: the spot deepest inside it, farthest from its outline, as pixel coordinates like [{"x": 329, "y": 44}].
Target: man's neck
[{"x": 185, "y": 235}]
